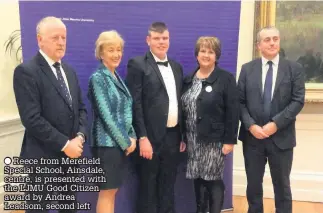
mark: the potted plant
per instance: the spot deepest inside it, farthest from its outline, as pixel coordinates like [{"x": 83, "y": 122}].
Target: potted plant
[{"x": 13, "y": 45}]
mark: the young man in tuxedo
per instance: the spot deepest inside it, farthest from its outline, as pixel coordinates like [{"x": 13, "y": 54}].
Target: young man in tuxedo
[{"x": 155, "y": 82}]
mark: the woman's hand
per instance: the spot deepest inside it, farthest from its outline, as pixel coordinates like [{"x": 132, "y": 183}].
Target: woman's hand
[
  {"x": 182, "y": 147},
  {"x": 132, "y": 147},
  {"x": 227, "y": 148}
]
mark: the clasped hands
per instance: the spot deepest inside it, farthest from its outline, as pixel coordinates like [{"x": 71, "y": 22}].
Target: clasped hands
[
  {"x": 74, "y": 148},
  {"x": 263, "y": 132},
  {"x": 257, "y": 131}
]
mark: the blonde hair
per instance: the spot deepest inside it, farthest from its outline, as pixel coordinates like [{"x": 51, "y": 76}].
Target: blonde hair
[
  {"x": 211, "y": 42},
  {"x": 107, "y": 38}
]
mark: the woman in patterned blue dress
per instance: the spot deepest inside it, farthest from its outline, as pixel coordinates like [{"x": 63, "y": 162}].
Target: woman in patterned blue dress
[
  {"x": 211, "y": 115},
  {"x": 112, "y": 133}
]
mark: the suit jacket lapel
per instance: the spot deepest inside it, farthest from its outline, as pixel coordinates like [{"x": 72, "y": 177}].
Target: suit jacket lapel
[
  {"x": 124, "y": 87},
  {"x": 49, "y": 73},
  {"x": 152, "y": 63},
  {"x": 177, "y": 78},
  {"x": 70, "y": 80},
  {"x": 257, "y": 76},
  {"x": 120, "y": 85},
  {"x": 282, "y": 65}
]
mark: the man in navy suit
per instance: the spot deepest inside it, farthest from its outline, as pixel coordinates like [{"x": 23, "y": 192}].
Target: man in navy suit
[
  {"x": 272, "y": 91},
  {"x": 50, "y": 103}
]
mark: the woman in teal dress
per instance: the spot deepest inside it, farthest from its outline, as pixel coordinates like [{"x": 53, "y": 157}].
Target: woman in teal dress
[{"x": 112, "y": 133}]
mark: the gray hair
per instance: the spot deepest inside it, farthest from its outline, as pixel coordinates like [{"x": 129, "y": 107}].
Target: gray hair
[
  {"x": 263, "y": 29},
  {"x": 45, "y": 21}
]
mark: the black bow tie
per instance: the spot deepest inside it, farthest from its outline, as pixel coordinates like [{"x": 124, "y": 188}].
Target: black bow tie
[{"x": 165, "y": 63}]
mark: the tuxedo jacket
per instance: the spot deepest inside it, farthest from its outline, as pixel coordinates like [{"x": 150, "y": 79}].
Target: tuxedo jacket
[
  {"x": 149, "y": 93},
  {"x": 48, "y": 119},
  {"x": 287, "y": 101}
]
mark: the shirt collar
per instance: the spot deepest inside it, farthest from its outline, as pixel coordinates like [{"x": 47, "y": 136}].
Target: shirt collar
[
  {"x": 48, "y": 59},
  {"x": 157, "y": 59},
  {"x": 275, "y": 60}
]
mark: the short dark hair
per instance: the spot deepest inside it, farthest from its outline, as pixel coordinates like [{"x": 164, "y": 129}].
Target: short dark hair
[
  {"x": 158, "y": 27},
  {"x": 266, "y": 28}
]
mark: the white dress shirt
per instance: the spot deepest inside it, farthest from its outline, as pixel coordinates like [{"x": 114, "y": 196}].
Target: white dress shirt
[
  {"x": 265, "y": 68},
  {"x": 170, "y": 84},
  {"x": 51, "y": 63}
]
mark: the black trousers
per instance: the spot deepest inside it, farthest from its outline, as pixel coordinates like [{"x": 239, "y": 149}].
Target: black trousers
[
  {"x": 209, "y": 195},
  {"x": 46, "y": 202},
  {"x": 280, "y": 164},
  {"x": 157, "y": 176}
]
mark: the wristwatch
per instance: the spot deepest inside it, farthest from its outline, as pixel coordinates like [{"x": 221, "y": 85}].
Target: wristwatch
[{"x": 81, "y": 135}]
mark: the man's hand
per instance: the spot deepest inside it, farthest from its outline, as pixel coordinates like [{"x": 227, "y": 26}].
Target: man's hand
[
  {"x": 270, "y": 128},
  {"x": 74, "y": 149},
  {"x": 146, "y": 150},
  {"x": 132, "y": 146},
  {"x": 258, "y": 132},
  {"x": 182, "y": 146},
  {"x": 227, "y": 148}
]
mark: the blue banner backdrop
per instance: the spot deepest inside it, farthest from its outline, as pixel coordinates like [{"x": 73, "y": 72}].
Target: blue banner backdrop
[{"x": 186, "y": 22}]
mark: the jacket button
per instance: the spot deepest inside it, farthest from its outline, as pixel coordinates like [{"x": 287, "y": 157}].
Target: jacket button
[{"x": 200, "y": 118}]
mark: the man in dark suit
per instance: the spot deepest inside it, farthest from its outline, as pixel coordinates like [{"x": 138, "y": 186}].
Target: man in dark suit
[
  {"x": 155, "y": 82},
  {"x": 272, "y": 91},
  {"x": 50, "y": 104}
]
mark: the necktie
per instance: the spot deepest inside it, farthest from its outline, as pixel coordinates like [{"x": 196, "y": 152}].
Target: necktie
[
  {"x": 268, "y": 91},
  {"x": 62, "y": 83},
  {"x": 165, "y": 63}
]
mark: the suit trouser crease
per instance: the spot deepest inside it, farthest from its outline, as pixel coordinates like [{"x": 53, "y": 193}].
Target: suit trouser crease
[
  {"x": 280, "y": 164},
  {"x": 157, "y": 176}
]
